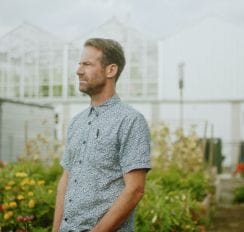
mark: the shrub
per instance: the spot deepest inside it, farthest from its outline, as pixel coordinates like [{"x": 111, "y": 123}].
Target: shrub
[
  {"x": 177, "y": 148},
  {"x": 170, "y": 202},
  {"x": 28, "y": 191},
  {"x": 239, "y": 195},
  {"x": 175, "y": 185}
]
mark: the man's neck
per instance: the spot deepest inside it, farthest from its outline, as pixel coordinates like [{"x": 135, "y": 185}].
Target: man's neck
[{"x": 99, "y": 99}]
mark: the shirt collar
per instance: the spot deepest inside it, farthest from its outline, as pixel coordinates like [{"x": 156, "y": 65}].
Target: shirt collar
[{"x": 104, "y": 106}]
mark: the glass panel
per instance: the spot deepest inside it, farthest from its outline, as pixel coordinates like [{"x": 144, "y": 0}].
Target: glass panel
[
  {"x": 71, "y": 90},
  {"x": 44, "y": 90},
  {"x": 57, "y": 90}
]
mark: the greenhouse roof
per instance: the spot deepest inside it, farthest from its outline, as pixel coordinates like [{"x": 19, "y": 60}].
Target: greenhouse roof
[{"x": 30, "y": 38}]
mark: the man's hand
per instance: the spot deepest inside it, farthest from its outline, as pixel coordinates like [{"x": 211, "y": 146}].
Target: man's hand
[{"x": 125, "y": 203}]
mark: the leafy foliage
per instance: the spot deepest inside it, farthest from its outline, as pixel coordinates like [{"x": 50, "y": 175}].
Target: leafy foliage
[
  {"x": 27, "y": 195},
  {"x": 239, "y": 195},
  {"x": 171, "y": 201},
  {"x": 175, "y": 185},
  {"x": 183, "y": 150},
  {"x": 28, "y": 186}
]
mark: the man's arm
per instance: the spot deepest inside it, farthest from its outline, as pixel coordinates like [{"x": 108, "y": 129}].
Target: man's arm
[
  {"x": 59, "y": 207},
  {"x": 125, "y": 203}
]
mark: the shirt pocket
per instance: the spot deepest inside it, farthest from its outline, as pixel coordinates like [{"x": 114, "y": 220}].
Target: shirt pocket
[{"x": 105, "y": 149}]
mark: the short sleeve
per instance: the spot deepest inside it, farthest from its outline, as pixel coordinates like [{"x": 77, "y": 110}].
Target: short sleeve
[
  {"x": 66, "y": 160},
  {"x": 134, "y": 139}
]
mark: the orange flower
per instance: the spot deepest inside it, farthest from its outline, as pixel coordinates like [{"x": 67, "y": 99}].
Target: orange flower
[
  {"x": 240, "y": 168},
  {"x": 5, "y": 206}
]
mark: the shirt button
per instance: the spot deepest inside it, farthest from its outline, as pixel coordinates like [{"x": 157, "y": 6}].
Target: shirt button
[
  {"x": 66, "y": 219},
  {"x": 89, "y": 123},
  {"x": 97, "y": 114},
  {"x": 75, "y": 180},
  {"x": 80, "y": 162},
  {"x": 70, "y": 200},
  {"x": 84, "y": 142}
]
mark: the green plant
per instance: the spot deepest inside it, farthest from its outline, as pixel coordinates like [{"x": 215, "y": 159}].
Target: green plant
[
  {"x": 170, "y": 202},
  {"x": 28, "y": 194},
  {"x": 176, "y": 185},
  {"x": 28, "y": 186},
  {"x": 239, "y": 195},
  {"x": 177, "y": 148}
]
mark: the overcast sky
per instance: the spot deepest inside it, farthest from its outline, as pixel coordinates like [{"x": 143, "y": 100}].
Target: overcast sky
[{"x": 73, "y": 18}]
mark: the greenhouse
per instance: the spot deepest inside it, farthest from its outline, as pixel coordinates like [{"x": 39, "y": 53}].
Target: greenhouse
[
  {"x": 30, "y": 66},
  {"x": 40, "y": 66}
]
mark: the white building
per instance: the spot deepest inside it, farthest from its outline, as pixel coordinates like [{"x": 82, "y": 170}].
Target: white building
[
  {"x": 212, "y": 51},
  {"x": 21, "y": 122},
  {"x": 30, "y": 64},
  {"x": 36, "y": 65},
  {"x": 210, "y": 57},
  {"x": 207, "y": 55}
]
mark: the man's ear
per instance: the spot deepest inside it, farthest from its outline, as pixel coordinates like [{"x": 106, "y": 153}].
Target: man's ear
[{"x": 111, "y": 70}]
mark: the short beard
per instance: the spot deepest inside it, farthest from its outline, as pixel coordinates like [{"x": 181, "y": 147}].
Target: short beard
[{"x": 93, "y": 90}]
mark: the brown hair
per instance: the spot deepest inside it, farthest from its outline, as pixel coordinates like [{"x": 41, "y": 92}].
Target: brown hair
[{"x": 112, "y": 53}]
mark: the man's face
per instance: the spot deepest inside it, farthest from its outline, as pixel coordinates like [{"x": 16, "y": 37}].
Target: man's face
[{"x": 92, "y": 78}]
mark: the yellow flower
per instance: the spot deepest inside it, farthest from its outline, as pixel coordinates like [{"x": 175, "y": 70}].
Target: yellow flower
[
  {"x": 41, "y": 182},
  {"x": 32, "y": 182},
  {"x": 11, "y": 183},
  {"x": 21, "y": 174},
  {"x": 24, "y": 182},
  {"x": 8, "y": 187},
  {"x": 8, "y": 215},
  {"x": 13, "y": 204},
  {"x": 31, "y": 203},
  {"x": 30, "y": 194},
  {"x": 183, "y": 197},
  {"x": 50, "y": 191},
  {"x": 20, "y": 197}
]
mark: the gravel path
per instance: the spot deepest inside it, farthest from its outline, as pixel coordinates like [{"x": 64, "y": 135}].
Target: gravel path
[{"x": 228, "y": 219}]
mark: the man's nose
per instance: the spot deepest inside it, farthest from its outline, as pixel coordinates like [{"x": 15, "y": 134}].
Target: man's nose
[{"x": 80, "y": 70}]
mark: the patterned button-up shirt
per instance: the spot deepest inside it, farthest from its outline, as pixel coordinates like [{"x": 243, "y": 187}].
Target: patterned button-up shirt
[{"x": 103, "y": 143}]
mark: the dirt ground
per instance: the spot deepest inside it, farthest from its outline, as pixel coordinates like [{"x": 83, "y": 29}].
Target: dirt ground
[{"x": 228, "y": 219}]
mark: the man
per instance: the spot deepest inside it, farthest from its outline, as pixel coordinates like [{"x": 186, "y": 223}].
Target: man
[{"x": 107, "y": 153}]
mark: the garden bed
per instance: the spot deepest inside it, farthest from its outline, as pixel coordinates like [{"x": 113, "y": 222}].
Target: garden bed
[
  {"x": 228, "y": 219},
  {"x": 176, "y": 196}
]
